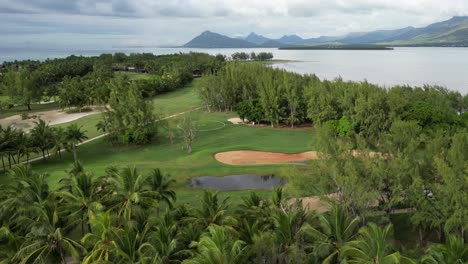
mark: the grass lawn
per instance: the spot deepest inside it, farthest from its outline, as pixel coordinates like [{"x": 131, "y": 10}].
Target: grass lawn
[
  {"x": 134, "y": 75},
  {"x": 97, "y": 155},
  {"x": 164, "y": 105},
  {"x": 171, "y": 158},
  {"x": 180, "y": 100}
]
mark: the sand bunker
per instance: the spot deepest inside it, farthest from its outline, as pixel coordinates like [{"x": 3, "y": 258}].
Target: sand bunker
[
  {"x": 53, "y": 117},
  {"x": 249, "y": 157},
  {"x": 236, "y": 120}
]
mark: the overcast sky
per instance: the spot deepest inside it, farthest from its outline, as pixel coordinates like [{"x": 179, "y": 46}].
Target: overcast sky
[{"x": 110, "y": 23}]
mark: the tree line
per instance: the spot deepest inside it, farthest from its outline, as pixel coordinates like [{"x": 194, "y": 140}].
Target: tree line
[
  {"x": 244, "y": 56},
  {"x": 17, "y": 146},
  {"x": 266, "y": 95},
  {"x": 79, "y": 81},
  {"x": 126, "y": 216}
]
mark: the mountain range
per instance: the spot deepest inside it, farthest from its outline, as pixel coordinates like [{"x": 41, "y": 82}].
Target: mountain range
[{"x": 452, "y": 32}]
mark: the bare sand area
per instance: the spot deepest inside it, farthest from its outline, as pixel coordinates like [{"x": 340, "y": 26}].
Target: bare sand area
[
  {"x": 236, "y": 120},
  {"x": 53, "y": 117},
  {"x": 249, "y": 157}
]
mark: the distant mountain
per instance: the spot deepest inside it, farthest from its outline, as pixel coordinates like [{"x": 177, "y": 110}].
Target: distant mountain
[
  {"x": 257, "y": 39},
  {"x": 450, "y": 32},
  {"x": 375, "y": 36},
  {"x": 209, "y": 39},
  {"x": 291, "y": 39}
]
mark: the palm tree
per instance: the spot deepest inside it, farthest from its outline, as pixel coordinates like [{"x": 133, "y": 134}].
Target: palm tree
[
  {"x": 79, "y": 200},
  {"x": 130, "y": 189},
  {"x": 74, "y": 136},
  {"x": 217, "y": 247},
  {"x": 59, "y": 141},
  {"x": 45, "y": 241},
  {"x": 336, "y": 228},
  {"x": 42, "y": 136},
  {"x": 373, "y": 247},
  {"x": 212, "y": 210},
  {"x": 10, "y": 243},
  {"x": 453, "y": 251},
  {"x": 8, "y": 143},
  {"x": 100, "y": 242},
  {"x": 159, "y": 183},
  {"x": 289, "y": 229},
  {"x": 164, "y": 239}
]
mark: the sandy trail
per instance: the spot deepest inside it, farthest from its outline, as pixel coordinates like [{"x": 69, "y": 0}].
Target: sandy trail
[{"x": 53, "y": 117}]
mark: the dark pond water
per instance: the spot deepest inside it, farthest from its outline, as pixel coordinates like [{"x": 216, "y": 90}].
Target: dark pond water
[{"x": 237, "y": 182}]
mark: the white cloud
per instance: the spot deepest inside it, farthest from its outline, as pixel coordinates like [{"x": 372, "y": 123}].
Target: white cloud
[{"x": 162, "y": 22}]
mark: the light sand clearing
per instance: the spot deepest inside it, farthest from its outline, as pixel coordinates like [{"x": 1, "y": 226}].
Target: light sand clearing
[
  {"x": 249, "y": 157},
  {"x": 236, "y": 120},
  {"x": 317, "y": 203},
  {"x": 53, "y": 117}
]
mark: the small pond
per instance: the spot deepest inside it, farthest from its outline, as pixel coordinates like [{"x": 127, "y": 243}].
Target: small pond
[{"x": 237, "y": 182}]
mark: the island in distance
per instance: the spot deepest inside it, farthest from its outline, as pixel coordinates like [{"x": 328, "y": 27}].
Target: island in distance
[{"x": 452, "y": 33}]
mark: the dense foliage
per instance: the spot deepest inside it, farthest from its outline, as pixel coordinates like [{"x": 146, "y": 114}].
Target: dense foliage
[
  {"x": 130, "y": 119},
  {"x": 17, "y": 146},
  {"x": 126, "y": 216},
  {"x": 79, "y": 81},
  {"x": 263, "y": 94}
]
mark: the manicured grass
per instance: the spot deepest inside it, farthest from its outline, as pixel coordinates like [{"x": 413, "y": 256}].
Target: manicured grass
[
  {"x": 179, "y": 101},
  {"x": 134, "y": 75},
  {"x": 172, "y": 159},
  {"x": 164, "y": 105},
  {"x": 87, "y": 123}
]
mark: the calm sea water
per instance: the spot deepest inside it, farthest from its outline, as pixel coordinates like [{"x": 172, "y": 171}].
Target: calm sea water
[{"x": 447, "y": 67}]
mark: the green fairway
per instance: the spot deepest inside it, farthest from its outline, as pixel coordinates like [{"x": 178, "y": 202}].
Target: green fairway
[
  {"x": 164, "y": 105},
  {"x": 171, "y": 158},
  {"x": 134, "y": 75},
  {"x": 216, "y": 135},
  {"x": 180, "y": 100}
]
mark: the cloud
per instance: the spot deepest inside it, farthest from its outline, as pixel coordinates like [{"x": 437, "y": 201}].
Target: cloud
[{"x": 107, "y": 23}]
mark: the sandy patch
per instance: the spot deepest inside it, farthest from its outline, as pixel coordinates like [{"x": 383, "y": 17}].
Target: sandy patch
[
  {"x": 249, "y": 157},
  {"x": 236, "y": 120},
  {"x": 53, "y": 117},
  {"x": 317, "y": 203}
]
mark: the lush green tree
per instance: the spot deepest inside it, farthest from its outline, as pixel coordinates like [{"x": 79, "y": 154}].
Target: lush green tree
[
  {"x": 188, "y": 129},
  {"x": 453, "y": 251},
  {"x": 161, "y": 183},
  {"x": 131, "y": 120},
  {"x": 42, "y": 136},
  {"x": 131, "y": 189},
  {"x": 80, "y": 201},
  {"x": 336, "y": 228},
  {"x": 22, "y": 86},
  {"x": 217, "y": 247},
  {"x": 74, "y": 136},
  {"x": 372, "y": 246}
]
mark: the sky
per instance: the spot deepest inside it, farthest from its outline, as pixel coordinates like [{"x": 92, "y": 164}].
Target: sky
[{"x": 102, "y": 24}]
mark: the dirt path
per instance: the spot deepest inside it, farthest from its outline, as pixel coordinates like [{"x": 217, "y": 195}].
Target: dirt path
[{"x": 53, "y": 117}]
